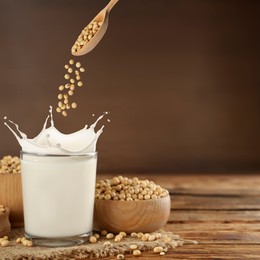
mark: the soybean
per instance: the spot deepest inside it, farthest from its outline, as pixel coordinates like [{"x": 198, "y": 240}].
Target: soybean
[
  {"x": 85, "y": 36},
  {"x": 5, "y": 243},
  {"x": 123, "y": 188},
  {"x": 9, "y": 164},
  {"x": 137, "y": 253},
  {"x": 93, "y": 239},
  {"x": 118, "y": 238},
  {"x": 73, "y": 80},
  {"x": 120, "y": 256},
  {"x": 133, "y": 247},
  {"x": 158, "y": 249},
  {"x": 109, "y": 235},
  {"x": 103, "y": 232}
]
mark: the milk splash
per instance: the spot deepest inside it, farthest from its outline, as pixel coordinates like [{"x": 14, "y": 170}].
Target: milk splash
[{"x": 52, "y": 141}]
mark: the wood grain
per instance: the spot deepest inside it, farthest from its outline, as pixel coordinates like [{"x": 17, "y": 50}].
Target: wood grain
[
  {"x": 215, "y": 202},
  {"x": 208, "y": 252},
  {"x": 5, "y": 226},
  {"x": 217, "y": 216},
  {"x": 11, "y": 196},
  {"x": 225, "y": 222},
  {"x": 131, "y": 216},
  {"x": 204, "y": 184},
  {"x": 221, "y": 212}
]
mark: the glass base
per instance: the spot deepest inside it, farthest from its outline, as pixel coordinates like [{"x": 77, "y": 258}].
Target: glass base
[{"x": 59, "y": 241}]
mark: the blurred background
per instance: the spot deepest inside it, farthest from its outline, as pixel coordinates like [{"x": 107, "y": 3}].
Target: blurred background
[{"x": 181, "y": 79}]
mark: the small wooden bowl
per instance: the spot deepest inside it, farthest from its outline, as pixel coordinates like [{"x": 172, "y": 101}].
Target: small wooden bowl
[
  {"x": 11, "y": 196},
  {"x": 5, "y": 226},
  {"x": 131, "y": 216}
]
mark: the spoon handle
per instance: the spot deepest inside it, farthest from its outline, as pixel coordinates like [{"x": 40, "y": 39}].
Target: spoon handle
[{"x": 110, "y": 5}]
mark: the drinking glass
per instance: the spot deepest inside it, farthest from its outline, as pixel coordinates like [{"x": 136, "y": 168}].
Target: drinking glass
[{"x": 58, "y": 197}]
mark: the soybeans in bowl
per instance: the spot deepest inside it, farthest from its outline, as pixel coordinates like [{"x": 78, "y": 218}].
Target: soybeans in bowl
[
  {"x": 11, "y": 188},
  {"x": 131, "y": 205}
]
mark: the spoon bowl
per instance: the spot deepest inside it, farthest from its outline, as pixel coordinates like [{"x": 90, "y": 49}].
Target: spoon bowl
[{"x": 102, "y": 17}]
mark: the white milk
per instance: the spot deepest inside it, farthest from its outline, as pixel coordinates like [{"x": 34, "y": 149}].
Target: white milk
[
  {"x": 58, "y": 179},
  {"x": 51, "y": 141},
  {"x": 58, "y": 195}
]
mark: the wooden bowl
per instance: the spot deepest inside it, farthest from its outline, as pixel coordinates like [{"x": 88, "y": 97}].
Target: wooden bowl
[
  {"x": 5, "y": 226},
  {"x": 11, "y": 196},
  {"x": 131, "y": 216}
]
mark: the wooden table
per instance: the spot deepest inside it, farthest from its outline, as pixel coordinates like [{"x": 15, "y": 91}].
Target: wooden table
[{"x": 221, "y": 212}]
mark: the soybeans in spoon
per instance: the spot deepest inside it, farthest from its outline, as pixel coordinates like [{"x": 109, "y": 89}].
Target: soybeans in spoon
[{"x": 93, "y": 32}]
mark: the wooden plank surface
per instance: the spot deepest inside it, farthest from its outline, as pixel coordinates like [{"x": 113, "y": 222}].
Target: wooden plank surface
[
  {"x": 206, "y": 184},
  {"x": 207, "y": 202},
  {"x": 205, "y": 252},
  {"x": 221, "y": 212}
]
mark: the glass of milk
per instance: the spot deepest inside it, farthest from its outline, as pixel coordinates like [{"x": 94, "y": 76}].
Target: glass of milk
[{"x": 58, "y": 197}]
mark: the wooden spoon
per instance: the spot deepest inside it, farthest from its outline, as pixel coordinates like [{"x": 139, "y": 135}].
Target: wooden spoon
[{"x": 102, "y": 17}]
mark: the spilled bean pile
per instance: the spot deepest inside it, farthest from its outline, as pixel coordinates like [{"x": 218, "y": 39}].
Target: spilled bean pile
[
  {"x": 4, "y": 241},
  {"x": 86, "y": 35},
  {"x": 24, "y": 241},
  {"x": 134, "y": 248},
  {"x": 123, "y": 188},
  {"x": 66, "y": 91},
  {"x": 135, "y": 243},
  {"x": 9, "y": 164},
  {"x": 2, "y": 209}
]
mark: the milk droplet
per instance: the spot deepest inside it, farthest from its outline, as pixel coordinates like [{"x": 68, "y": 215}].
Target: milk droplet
[{"x": 5, "y": 117}]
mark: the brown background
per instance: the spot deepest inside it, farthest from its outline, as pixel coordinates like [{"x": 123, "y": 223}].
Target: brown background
[{"x": 180, "y": 78}]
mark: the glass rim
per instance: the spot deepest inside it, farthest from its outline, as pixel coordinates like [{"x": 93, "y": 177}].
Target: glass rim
[{"x": 58, "y": 155}]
